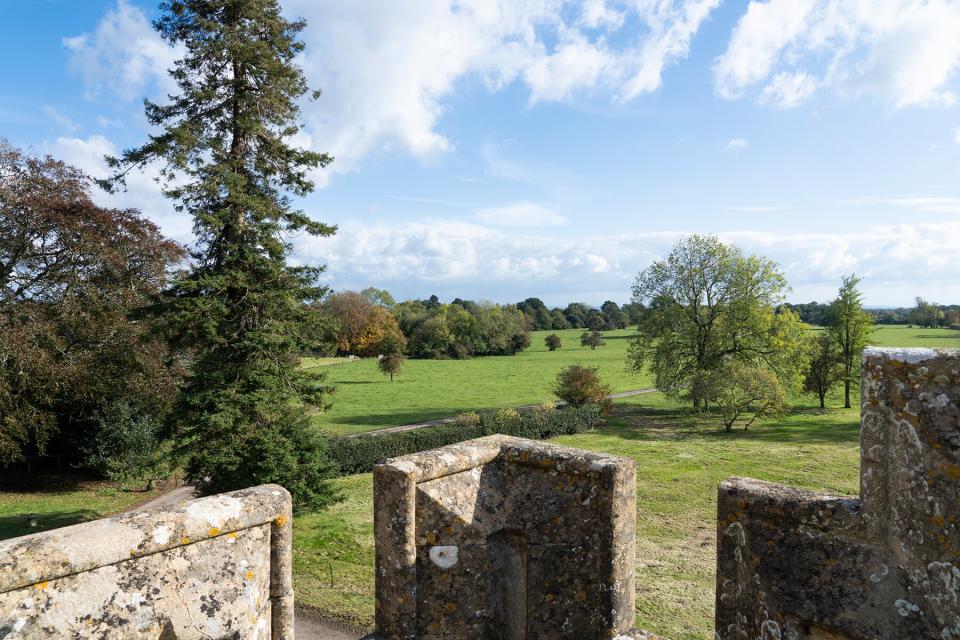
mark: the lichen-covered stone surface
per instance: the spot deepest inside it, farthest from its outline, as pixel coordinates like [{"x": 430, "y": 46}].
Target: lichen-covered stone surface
[
  {"x": 216, "y": 567},
  {"x": 794, "y": 564},
  {"x": 506, "y": 538}
]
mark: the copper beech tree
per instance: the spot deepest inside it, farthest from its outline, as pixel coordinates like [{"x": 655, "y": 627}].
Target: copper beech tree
[{"x": 72, "y": 276}]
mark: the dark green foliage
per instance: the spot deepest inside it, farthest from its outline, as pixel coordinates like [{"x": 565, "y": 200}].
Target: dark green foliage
[
  {"x": 577, "y": 315},
  {"x": 552, "y": 341},
  {"x": 592, "y": 339},
  {"x": 124, "y": 445},
  {"x": 223, "y": 143},
  {"x": 824, "y": 369},
  {"x": 558, "y": 320},
  {"x": 462, "y": 329},
  {"x": 536, "y": 313},
  {"x": 359, "y": 454}
]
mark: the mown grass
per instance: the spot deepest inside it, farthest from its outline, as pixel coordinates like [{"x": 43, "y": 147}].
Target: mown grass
[
  {"x": 365, "y": 399},
  {"x": 46, "y": 501}
]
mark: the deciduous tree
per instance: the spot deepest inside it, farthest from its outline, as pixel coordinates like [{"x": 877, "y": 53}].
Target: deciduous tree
[
  {"x": 849, "y": 327},
  {"x": 592, "y": 339},
  {"x": 824, "y": 369},
  {"x": 552, "y": 341},
  {"x": 708, "y": 304},
  {"x": 391, "y": 364}
]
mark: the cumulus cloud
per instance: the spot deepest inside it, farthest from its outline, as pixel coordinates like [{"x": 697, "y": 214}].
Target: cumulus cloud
[
  {"x": 124, "y": 56},
  {"x": 897, "y": 262},
  {"x": 903, "y": 51},
  {"x": 387, "y": 67},
  {"x": 143, "y": 191},
  {"x": 736, "y": 144},
  {"x": 521, "y": 214}
]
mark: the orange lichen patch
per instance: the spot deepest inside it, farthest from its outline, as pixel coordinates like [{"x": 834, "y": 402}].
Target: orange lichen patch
[
  {"x": 280, "y": 521},
  {"x": 184, "y": 540},
  {"x": 232, "y": 535},
  {"x": 42, "y": 585},
  {"x": 248, "y": 575},
  {"x": 451, "y": 606},
  {"x": 133, "y": 552},
  {"x": 549, "y": 597},
  {"x": 213, "y": 531},
  {"x": 938, "y": 521},
  {"x": 431, "y": 538},
  {"x": 952, "y": 470}
]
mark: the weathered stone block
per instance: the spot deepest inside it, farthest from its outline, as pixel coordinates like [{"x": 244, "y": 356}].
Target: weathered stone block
[
  {"x": 794, "y": 564},
  {"x": 505, "y": 538},
  {"x": 217, "y": 567}
]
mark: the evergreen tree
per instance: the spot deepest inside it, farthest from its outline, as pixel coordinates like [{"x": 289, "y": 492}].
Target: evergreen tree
[
  {"x": 223, "y": 143},
  {"x": 849, "y": 326}
]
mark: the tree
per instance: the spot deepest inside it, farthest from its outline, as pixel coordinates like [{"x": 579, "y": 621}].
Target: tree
[
  {"x": 576, "y": 314},
  {"x": 381, "y": 297},
  {"x": 72, "y": 274},
  {"x": 558, "y": 321},
  {"x": 825, "y": 368},
  {"x": 362, "y": 327},
  {"x": 578, "y": 385},
  {"x": 849, "y": 327},
  {"x": 224, "y": 143},
  {"x": 708, "y": 304},
  {"x": 391, "y": 364},
  {"x": 536, "y": 313},
  {"x": 738, "y": 390},
  {"x": 591, "y": 339},
  {"x": 614, "y": 316},
  {"x": 552, "y": 341},
  {"x": 927, "y": 314}
]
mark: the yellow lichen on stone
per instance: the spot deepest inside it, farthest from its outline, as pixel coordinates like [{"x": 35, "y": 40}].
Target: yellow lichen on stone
[
  {"x": 213, "y": 531},
  {"x": 280, "y": 521}
]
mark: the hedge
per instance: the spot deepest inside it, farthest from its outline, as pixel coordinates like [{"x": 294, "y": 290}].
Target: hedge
[{"x": 360, "y": 453}]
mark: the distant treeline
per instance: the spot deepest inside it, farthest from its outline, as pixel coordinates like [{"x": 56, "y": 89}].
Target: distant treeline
[
  {"x": 372, "y": 323},
  {"x": 922, "y": 314}
]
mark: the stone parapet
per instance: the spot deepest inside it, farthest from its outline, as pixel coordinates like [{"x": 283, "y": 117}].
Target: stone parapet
[{"x": 214, "y": 567}]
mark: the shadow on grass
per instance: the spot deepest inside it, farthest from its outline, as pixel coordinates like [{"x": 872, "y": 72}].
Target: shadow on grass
[
  {"x": 802, "y": 426},
  {"x": 46, "y": 481},
  {"x": 381, "y": 420},
  {"x": 22, "y": 524},
  {"x": 932, "y": 337}
]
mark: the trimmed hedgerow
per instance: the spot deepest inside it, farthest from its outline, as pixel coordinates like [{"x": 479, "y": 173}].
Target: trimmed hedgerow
[{"x": 360, "y": 453}]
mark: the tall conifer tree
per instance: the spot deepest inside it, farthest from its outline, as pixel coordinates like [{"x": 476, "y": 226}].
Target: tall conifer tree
[{"x": 224, "y": 145}]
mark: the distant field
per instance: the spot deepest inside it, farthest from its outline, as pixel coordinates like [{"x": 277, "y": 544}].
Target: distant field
[
  {"x": 903, "y": 336},
  {"x": 365, "y": 399}
]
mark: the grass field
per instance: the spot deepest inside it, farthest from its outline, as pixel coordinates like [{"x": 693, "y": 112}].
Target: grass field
[
  {"x": 681, "y": 459},
  {"x": 365, "y": 399}
]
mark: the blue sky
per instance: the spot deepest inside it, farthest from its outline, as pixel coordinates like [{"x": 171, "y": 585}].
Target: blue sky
[{"x": 500, "y": 149}]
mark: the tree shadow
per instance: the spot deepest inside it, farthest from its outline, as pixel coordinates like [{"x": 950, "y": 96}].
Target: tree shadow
[
  {"x": 47, "y": 481},
  {"x": 802, "y": 426},
  {"x": 400, "y": 418},
  {"x": 21, "y": 524}
]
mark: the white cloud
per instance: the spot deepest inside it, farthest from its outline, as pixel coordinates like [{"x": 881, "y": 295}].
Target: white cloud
[
  {"x": 521, "y": 214},
  {"x": 787, "y": 90},
  {"x": 735, "y": 145},
  {"x": 143, "y": 191},
  {"x": 59, "y": 118},
  {"x": 124, "y": 56},
  {"x": 387, "y": 68},
  {"x": 435, "y": 256},
  {"x": 903, "y": 51}
]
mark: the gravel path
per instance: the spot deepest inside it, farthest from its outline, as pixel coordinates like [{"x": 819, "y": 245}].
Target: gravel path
[
  {"x": 309, "y": 628},
  {"x": 439, "y": 421},
  {"x": 186, "y": 492}
]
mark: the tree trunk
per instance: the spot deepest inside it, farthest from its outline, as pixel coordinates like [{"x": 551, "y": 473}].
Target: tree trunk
[
  {"x": 846, "y": 394},
  {"x": 822, "y": 405}
]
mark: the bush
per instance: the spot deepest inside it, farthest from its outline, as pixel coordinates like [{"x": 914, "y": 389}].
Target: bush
[
  {"x": 552, "y": 341},
  {"x": 360, "y": 454},
  {"x": 592, "y": 339},
  {"x": 579, "y": 386},
  {"x": 391, "y": 364},
  {"x": 125, "y": 445}
]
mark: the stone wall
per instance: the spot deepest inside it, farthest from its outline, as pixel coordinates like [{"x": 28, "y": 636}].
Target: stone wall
[
  {"x": 794, "y": 564},
  {"x": 216, "y": 567},
  {"x": 505, "y": 538}
]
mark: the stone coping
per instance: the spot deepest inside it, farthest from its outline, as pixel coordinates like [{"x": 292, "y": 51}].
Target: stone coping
[
  {"x": 782, "y": 503},
  {"x": 459, "y": 457},
  {"x": 49, "y": 555}
]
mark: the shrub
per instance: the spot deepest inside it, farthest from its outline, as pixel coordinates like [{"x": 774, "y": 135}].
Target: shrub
[
  {"x": 125, "y": 445},
  {"x": 360, "y": 454},
  {"x": 591, "y": 339},
  {"x": 578, "y": 386},
  {"x": 552, "y": 341},
  {"x": 740, "y": 391}
]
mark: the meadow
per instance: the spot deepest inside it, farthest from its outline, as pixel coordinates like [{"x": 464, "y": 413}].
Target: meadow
[
  {"x": 681, "y": 458},
  {"x": 365, "y": 399}
]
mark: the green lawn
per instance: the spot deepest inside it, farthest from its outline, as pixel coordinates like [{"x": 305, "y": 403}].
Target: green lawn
[
  {"x": 57, "y": 501},
  {"x": 365, "y": 399},
  {"x": 904, "y": 336}
]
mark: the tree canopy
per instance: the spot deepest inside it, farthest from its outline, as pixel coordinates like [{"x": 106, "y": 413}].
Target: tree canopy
[
  {"x": 707, "y": 305},
  {"x": 849, "y": 327}
]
